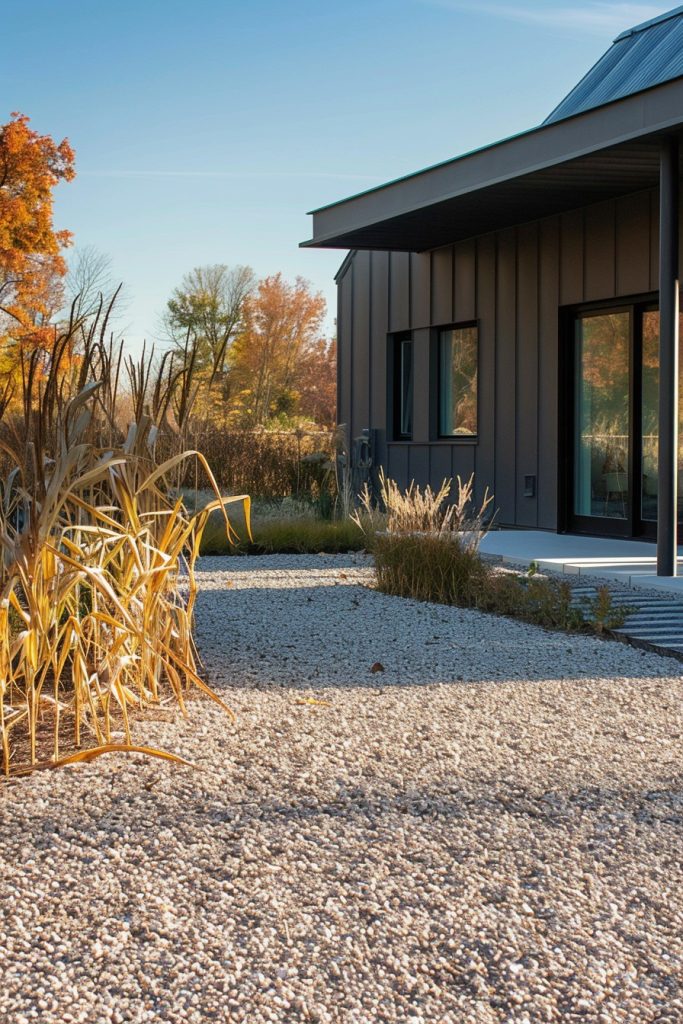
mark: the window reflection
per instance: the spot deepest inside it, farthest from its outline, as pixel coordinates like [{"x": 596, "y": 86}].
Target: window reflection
[
  {"x": 458, "y": 366},
  {"x": 601, "y": 457},
  {"x": 403, "y": 388},
  {"x": 650, "y": 402}
]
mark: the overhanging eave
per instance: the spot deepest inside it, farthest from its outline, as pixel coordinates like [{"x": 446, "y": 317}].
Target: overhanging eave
[{"x": 599, "y": 154}]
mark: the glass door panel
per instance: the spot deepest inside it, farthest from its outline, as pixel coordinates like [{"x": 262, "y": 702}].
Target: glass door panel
[
  {"x": 602, "y": 416},
  {"x": 650, "y": 420}
]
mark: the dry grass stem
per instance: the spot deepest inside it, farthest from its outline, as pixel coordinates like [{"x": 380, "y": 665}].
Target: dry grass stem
[
  {"x": 97, "y": 584},
  {"x": 419, "y": 511}
]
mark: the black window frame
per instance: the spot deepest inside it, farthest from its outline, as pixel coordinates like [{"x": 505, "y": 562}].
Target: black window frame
[
  {"x": 396, "y": 349},
  {"x": 633, "y": 527}
]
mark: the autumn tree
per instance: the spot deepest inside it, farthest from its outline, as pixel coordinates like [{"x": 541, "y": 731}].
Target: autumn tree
[
  {"x": 317, "y": 383},
  {"x": 278, "y": 348},
  {"x": 31, "y": 263},
  {"x": 209, "y": 305}
]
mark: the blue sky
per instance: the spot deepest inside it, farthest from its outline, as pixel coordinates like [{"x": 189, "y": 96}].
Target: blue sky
[{"x": 204, "y": 131}]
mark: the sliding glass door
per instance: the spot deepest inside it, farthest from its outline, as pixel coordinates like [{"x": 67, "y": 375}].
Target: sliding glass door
[
  {"x": 649, "y": 421},
  {"x": 614, "y": 415},
  {"x": 602, "y": 416}
]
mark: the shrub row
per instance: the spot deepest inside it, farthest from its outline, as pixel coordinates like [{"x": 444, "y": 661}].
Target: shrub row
[
  {"x": 266, "y": 464},
  {"x": 297, "y": 536},
  {"x": 442, "y": 569}
]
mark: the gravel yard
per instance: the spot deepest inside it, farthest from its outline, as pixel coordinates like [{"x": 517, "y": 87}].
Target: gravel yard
[{"x": 488, "y": 831}]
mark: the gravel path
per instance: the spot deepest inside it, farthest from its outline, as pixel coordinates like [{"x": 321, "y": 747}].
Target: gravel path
[{"x": 489, "y": 831}]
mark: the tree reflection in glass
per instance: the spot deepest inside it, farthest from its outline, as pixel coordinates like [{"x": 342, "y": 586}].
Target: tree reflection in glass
[
  {"x": 650, "y": 401},
  {"x": 601, "y": 456},
  {"x": 458, "y": 368}
]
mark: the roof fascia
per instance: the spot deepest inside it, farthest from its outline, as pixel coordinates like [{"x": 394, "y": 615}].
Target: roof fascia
[{"x": 646, "y": 113}]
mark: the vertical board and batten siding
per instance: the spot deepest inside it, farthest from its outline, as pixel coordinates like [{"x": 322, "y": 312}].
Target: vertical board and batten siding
[
  {"x": 548, "y": 372},
  {"x": 442, "y": 286},
  {"x": 504, "y": 482},
  {"x": 399, "y": 291},
  {"x": 654, "y": 241},
  {"x": 488, "y": 413},
  {"x": 378, "y": 344},
  {"x": 360, "y": 392},
  {"x": 345, "y": 342},
  {"x": 527, "y": 391},
  {"x": 513, "y": 283},
  {"x": 599, "y": 253},
  {"x": 632, "y": 232}
]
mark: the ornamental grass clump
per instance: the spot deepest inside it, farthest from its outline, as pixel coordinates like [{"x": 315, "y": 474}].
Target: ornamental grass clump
[
  {"x": 97, "y": 584},
  {"x": 442, "y": 563},
  {"x": 434, "y": 513}
]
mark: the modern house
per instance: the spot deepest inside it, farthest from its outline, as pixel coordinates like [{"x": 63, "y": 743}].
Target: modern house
[{"x": 513, "y": 312}]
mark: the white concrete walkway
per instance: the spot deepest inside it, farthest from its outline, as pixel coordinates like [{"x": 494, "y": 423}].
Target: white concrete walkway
[{"x": 627, "y": 561}]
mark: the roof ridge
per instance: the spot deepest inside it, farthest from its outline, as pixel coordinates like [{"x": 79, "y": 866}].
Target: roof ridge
[{"x": 674, "y": 13}]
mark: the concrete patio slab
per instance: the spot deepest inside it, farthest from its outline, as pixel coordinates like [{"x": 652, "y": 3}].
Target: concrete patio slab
[{"x": 632, "y": 563}]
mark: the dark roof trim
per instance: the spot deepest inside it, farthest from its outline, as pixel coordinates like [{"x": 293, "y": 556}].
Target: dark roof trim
[
  {"x": 653, "y": 111},
  {"x": 648, "y": 24}
]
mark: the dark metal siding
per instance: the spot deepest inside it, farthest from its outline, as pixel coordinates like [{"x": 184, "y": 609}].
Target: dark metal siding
[
  {"x": 360, "y": 393},
  {"x": 513, "y": 283},
  {"x": 379, "y": 328},
  {"x": 548, "y": 371},
  {"x": 487, "y": 318},
  {"x": 397, "y": 464},
  {"x": 442, "y": 285},
  {"x": 423, "y": 403},
  {"x": 399, "y": 291},
  {"x": 464, "y": 281},
  {"x": 571, "y": 257},
  {"x": 598, "y": 252},
  {"x": 420, "y": 272},
  {"x": 632, "y": 236},
  {"x": 527, "y": 371},
  {"x": 506, "y": 376},
  {"x": 345, "y": 345}
]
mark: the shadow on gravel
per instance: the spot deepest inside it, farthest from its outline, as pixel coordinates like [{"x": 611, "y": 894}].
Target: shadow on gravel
[
  {"x": 305, "y": 623},
  {"x": 249, "y": 564},
  {"x": 595, "y": 816}
]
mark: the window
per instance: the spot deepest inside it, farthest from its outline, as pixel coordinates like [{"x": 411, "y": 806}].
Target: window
[
  {"x": 458, "y": 362},
  {"x": 403, "y": 388}
]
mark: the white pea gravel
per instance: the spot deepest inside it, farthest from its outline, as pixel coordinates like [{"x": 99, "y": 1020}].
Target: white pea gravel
[{"x": 488, "y": 831}]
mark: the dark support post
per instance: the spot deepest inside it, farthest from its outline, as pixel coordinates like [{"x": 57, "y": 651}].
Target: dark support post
[{"x": 668, "y": 359}]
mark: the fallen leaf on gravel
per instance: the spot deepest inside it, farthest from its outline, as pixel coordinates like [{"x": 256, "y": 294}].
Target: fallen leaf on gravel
[
  {"x": 312, "y": 700},
  {"x": 229, "y": 583},
  {"x": 377, "y": 667},
  {"x": 343, "y": 576}
]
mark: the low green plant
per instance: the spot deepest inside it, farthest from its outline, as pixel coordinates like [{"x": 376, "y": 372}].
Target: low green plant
[
  {"x": 446, "y": 570},
  {"x": 603, "y": 613},
  {"x": 301, "y": 535},
  {"x": 429, "y": 568}
]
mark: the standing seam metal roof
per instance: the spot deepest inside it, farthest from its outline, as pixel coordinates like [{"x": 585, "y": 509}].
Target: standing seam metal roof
[{"x": 640, "y": 58}]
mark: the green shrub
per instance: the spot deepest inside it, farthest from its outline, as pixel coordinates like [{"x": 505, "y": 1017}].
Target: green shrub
[
  {"x": 305, "y": 535},
  {"x": 447, "y": 571},
  {"x": 429, "y": 568}
]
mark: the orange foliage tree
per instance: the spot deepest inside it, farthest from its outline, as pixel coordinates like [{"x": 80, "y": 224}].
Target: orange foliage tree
[
  {"x": 317, "y": 383},
  {"x": 278, "y": 350},
  {"x": 31, "y": 264}
]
